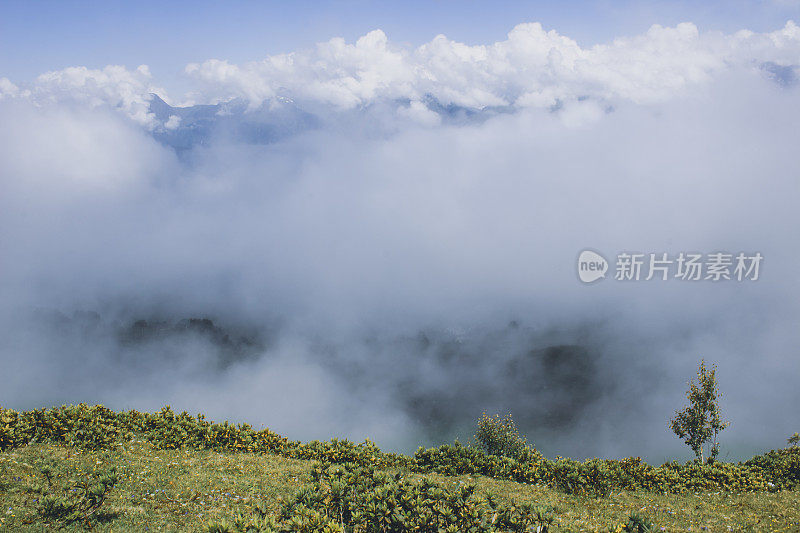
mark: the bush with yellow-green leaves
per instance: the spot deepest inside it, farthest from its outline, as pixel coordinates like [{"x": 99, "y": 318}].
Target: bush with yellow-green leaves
[
  {"x": 96, "y": 427},
  {"x": 500, "y": 436},
  {"x": 74, "y": 500},
  {"x": 349, "y": 498},
  {"x": 779, "y": 469}
]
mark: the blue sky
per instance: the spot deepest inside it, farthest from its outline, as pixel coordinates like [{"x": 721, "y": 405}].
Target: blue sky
[{"x": 41, "y": 36}]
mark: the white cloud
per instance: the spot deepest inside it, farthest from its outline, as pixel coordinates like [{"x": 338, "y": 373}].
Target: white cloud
[
  {"x": 419, "y": 113},
  {"x": 172, "y": 122},
  {"x": 8, "y": 89},
  {"x": 114, "y": 86},
  {"x": 341, "y": 233},
  {"x": 532, "y": 68}
]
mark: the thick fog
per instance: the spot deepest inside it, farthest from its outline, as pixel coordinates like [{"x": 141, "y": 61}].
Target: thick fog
[{"x": 370, "y": 241}]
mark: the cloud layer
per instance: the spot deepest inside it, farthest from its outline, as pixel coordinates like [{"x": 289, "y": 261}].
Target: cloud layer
[
  {"x": 532, "y": 68},
  {"x": 386, "y": 237}
]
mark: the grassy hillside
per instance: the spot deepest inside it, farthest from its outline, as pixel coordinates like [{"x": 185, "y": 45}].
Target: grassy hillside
[{"x": 81, "y": 467}]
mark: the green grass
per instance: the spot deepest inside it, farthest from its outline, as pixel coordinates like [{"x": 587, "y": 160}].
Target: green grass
[{"x": 185, "y": 489}]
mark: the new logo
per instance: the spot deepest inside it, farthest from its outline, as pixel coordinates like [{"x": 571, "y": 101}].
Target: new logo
[{"x": 591, "y": 266}]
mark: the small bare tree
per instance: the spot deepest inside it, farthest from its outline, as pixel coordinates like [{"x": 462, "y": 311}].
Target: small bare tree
[{"x": 700, "y": 423}]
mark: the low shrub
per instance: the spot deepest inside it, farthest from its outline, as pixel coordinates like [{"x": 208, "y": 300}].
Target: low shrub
[
  {"x": 638, "y": 524},
  {"x": 96, "y": 427},
  {"x": 349, "y": 498},
  {"x": 499, "y": 436},
  {"x": 76, "y": 502}
]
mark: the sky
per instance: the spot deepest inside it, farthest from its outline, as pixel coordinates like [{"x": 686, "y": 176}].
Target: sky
[
  {"x": 36, "y": 37},
  {"x": 362, "y": 220}
]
